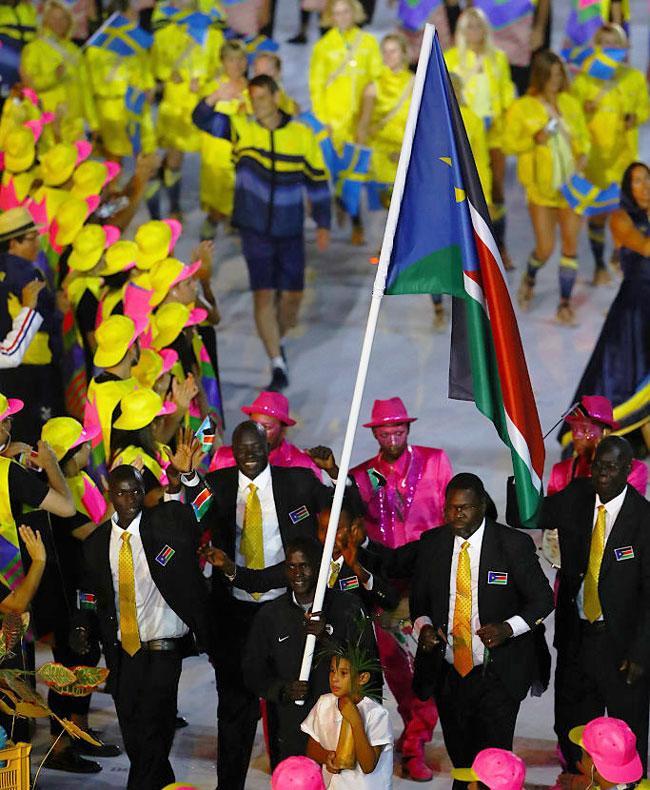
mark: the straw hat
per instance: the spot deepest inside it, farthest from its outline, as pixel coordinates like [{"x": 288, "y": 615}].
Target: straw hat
[{"x": 16, "y": 222}]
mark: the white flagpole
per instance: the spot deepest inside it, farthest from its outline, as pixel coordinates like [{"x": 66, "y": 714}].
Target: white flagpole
[
  {"x": 99, "y": 30},
  {"x": 373, "y": 314}
]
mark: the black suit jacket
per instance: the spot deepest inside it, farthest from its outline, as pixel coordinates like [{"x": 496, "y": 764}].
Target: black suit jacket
[
  {"x": 296, "y": 493},
  {"x": 623, "y": 584},
  {"x": 180, "y": 581},
  {"x": 527, "y": 593}
]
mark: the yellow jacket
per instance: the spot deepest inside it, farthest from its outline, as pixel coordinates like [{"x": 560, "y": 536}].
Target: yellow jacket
[
  {"x": 527, "y": 116},
  {"x": 111, "y": 74},
  {"x": 489, "y": 90},
  {"x": 634, "y": 89},
  {"x": 606, "y": 126},
  {"x": 342, "y": 64},
  {"x": 392, "y": 102},
  {"x": 475, "y": 128},
  {"x": 56, "y": 70},
  {"x": 18, "y": 22},
  {"x": 184, "y": 67}
]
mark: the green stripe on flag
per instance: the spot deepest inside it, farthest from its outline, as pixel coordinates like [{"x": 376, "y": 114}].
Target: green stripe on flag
[{"x": 439, "y": 272}]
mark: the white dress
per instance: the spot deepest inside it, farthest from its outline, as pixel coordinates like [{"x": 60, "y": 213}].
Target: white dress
[{"x": 323, "y": 724}]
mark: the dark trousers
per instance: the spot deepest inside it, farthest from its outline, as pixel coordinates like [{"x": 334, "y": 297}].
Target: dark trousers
[
  {"x": 476, "y": 712},
  {"x": 145, "y": 701},
  {"x": 588, "y": 684},
  {"x": 63, "y": 705},
  {"x": 239, "y": 709}
]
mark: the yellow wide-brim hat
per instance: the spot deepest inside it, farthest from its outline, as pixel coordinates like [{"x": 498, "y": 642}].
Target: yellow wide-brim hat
[
  {"x": 139, "y": 408},
  {"x": 156, "y": 240},
  {"x": 58, "y": 164},
  {"x": 114, "y": 337},
  {"x": 168, "y": 273},
  {"x": 171, "y": 319},
  {"x": 91, "y": 177},
  {"x": 64, "y": 433},
  {"x": 19, "y": 150},
  {"x": 89, "y": 244},
  {"x": 69, "y": 219},
  {"x": 119, "y": 257}
]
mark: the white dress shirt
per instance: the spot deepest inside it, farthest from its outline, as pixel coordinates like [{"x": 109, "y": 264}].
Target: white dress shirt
[
  {"x": 273, "y": 548},
  {"x": 612, "y": 509},
  {"x": 156, "y": 619},
  {"x": 517, "y": 623}
]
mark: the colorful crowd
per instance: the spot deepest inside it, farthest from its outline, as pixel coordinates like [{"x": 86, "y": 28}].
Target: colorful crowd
[{"x": 131, "y": 530}]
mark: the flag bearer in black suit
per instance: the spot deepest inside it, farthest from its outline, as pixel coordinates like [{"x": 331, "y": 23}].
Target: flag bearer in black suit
[
  {"x": 602, "y": 622},
  {"x": 254, "y": 510},
  {"x": 142, "y": 573},
  {"x": 478, "y": 596}
]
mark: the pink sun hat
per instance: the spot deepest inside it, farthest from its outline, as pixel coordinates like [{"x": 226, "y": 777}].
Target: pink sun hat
[
  {"x": 498, "y": 769},
  {"x": 272, "y": 403},
  {"x": 386, "y": 412},
  {"x": 611, "y": 744},
  {"x": 9, "y": 406},
  {"x": 594, "y": 407},
  {"x": 297, "y": 773}
]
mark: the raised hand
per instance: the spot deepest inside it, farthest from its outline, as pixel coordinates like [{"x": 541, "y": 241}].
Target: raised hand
[
  {"x": 188, "y": 452},
  {"x": 323, "y": 457}
]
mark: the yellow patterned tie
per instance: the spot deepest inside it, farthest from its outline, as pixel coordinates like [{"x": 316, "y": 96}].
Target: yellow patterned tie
[
  {"x": 335, "y": 569},
  {"x": 126, "y": 590},
  {"x": 591, "y": 603},
  {"x": 252, "y": 538},
  {"x": 462, "y": 630}
]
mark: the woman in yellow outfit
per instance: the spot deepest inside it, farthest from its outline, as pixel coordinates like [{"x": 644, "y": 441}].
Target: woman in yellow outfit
[
  {"x": 344, "y": 61},
  {"x": 183, "y": 65},
  {"x": 111, "y": 75},
  {"x": 546, "y": 129},
  {"x": 613, "y": 109},
  {"x": 54, "y": 67},
  {"x": 217, "y": 179},
  {"x": 489, "y": 91}
]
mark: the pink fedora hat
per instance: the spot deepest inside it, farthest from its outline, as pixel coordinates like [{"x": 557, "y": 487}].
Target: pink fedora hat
[
  {"x": 272, "y": 403},
  {"x": 594, "y": 407},
  {"x": 385, "y": 412}
]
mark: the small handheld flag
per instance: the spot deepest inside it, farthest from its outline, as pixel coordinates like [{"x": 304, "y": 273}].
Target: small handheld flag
[
  {"x": 595, "y": 61},
  {"x": 122, "y": 37},
  {"x": 201, "y": 503},
  {"x": 205, "y": 434},
  {"x": 587, "y": 200}
]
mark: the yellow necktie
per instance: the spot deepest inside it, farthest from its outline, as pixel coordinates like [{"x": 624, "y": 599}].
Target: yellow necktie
[
  {"x": 462, "y": 630},
  {"x": 252, "y": 538},
  {"x": 591, "y": 603},
  {"x": 126, "y": 590},
  {"x": 335, "y": 569}
]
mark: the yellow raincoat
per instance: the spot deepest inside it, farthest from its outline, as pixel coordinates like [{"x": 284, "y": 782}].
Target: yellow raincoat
[
  {"x": 342, "y": 64},
  {"x": 19, "y": 22},
  {"x": 217, "y": 177},
  {"x": 606, "y": 127},
  {"x": 634, "y": 90},
  {"x": 393, "y": 99},
  {"x": 542, "y": 169},
  {"x": 56, "y": 70},
  {"x": 478, "y": 142},
  {"x": 183, "y": 66},
  {"x": 110, "y": 76},
  {"x": 487, "y": 87}
]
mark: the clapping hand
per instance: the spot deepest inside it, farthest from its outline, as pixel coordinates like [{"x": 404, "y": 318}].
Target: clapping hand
[{"x": 188, "y": 452}]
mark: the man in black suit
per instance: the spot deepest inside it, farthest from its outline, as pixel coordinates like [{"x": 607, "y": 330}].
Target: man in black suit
[
  {"x": 602, "y": 622},
  {"x": 142, "y": 575},
  {"x": 255, "y": 509},
  {"x": 276, "y": 642},
  {"x": 478, "y": 594}
]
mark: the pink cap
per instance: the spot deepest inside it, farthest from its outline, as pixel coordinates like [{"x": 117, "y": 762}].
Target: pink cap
[
  {"x": 611, "y": 744},
  {"x": 84, "y": 150},
  {"x": 176, "y": 228},
  {"x": 385, "y": 412},
  {"x": 297, "y": 773},
  {"x": 498, "y": 769},
  {"x": 594, "y": 407},
  {"x": 13, "y": 406},
  {"x": 188, "y": 271},
  {"x": 272, "y": 403},
  {"x": 169, "y": 358}
]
